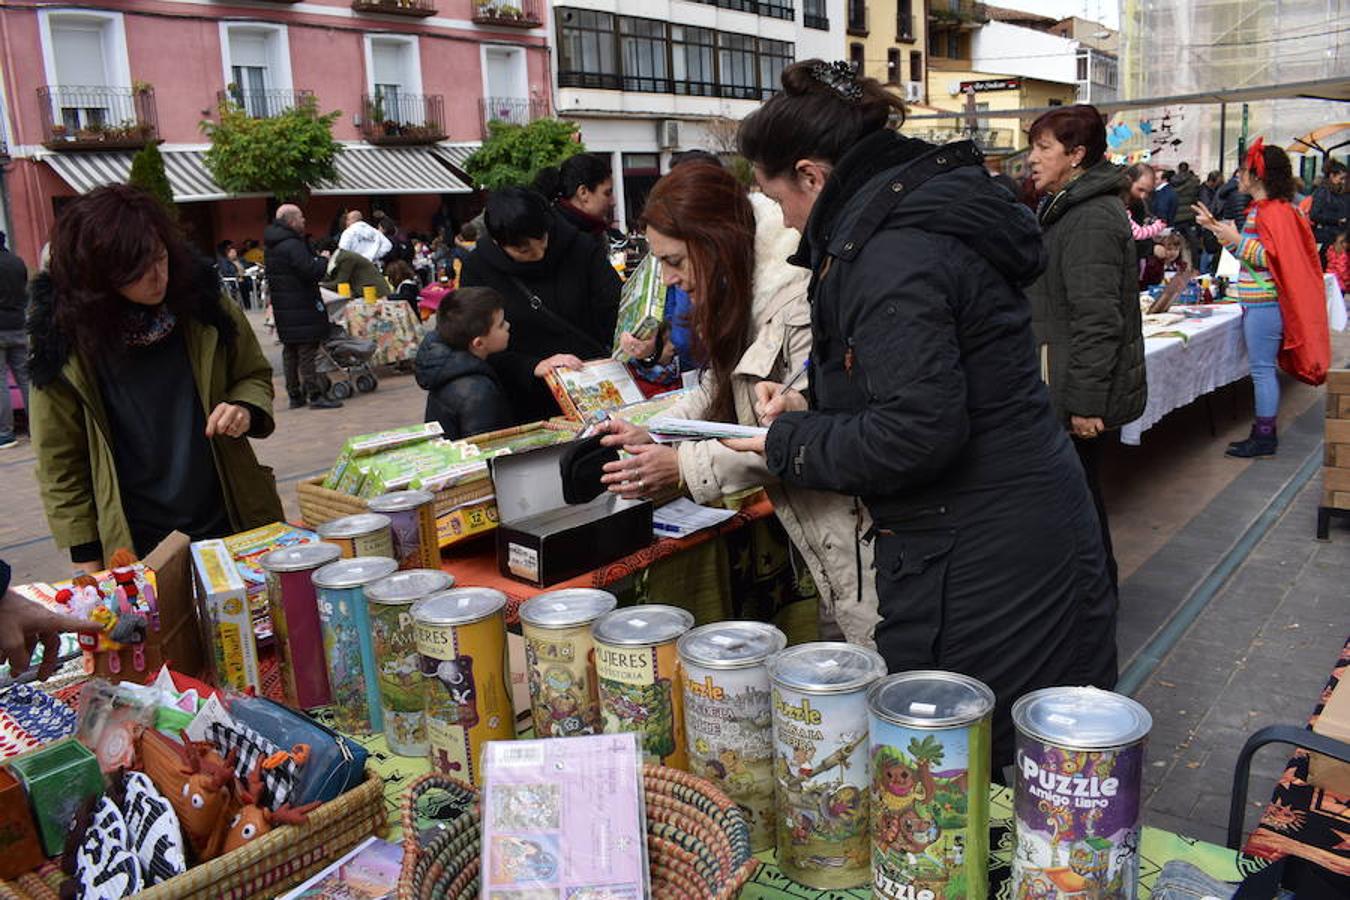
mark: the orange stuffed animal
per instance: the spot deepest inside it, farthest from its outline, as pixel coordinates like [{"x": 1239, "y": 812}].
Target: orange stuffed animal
[
  {"x": 253, "y": 820},
  {"x": 194, "y": 779}
]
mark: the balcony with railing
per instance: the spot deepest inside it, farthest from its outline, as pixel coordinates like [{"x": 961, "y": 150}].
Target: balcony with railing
[
  {"x": 512, "y": 110},
  {"x": 855, "y": 21},
  {"x": 419, "y": 9},
  {"x": 965, "y": 13},
  {"x": 94, "y": 117},
  {"x": 263, "y": 104},
  {"x": 509, "y": 13},
  {"x": 403, "y": 118}
]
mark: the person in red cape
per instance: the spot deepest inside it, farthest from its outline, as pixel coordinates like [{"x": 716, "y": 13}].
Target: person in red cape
[{"x": 1284, "y": 312}]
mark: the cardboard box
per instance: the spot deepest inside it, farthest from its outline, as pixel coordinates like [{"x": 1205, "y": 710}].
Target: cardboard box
[
  {"x": 541, "y": 539},
  {"x": 58, "y": 779},
  {"x": 180, "y": 636},
  {"x": 227, "y": 624},
  {"x": 1334, "y": 722},
  {"x": 20, "y": 850}
]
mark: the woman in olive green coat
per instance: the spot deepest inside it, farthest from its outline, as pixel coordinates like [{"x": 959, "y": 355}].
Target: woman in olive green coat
[{"x": 148, "y": 384}]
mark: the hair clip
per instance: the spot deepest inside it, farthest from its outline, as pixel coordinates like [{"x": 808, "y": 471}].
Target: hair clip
[
  {"x": 839, "y": 77},
  {"x": 1256, "y": 159}
]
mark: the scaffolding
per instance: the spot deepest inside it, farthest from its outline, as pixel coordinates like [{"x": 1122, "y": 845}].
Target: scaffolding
[{"x": 1171, "y": 47}]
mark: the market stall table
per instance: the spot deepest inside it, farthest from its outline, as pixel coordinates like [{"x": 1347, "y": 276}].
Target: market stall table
[
  {"x": 475, "y": 563},
  {"x": 1191, "y": 359},
  {"x": 389, "y": 323},
  {"x": 769, "y": 883}
]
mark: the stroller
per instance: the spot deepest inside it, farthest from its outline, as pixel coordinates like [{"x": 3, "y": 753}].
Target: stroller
[{"x": 343, "y": 362}]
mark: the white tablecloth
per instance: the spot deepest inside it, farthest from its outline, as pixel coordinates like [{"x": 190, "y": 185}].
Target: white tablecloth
[{"x": 1181, "y": 371}]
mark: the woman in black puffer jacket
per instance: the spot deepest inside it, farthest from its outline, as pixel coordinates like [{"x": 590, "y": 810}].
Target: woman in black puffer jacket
[
  {"x": 561, "y": 295},
  {"x": 925, "y": 398}
]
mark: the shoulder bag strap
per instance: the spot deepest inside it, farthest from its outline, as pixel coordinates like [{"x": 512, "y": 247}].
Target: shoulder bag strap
[{"x": 537, "y": 304}]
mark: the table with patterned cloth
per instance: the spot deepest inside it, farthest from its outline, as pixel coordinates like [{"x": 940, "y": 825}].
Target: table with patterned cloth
[
  {"x": 1302, "y": 820},
  {"x": 389, "y": 323},
  {"x": 1193, "y": 358},
  {"x": 769, "y": 882}
]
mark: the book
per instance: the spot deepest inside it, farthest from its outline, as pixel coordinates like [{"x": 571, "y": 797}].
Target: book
[
  {"x": 600, "y": 385},
  {"x": 665, "y": 430},
  {"x": 370, "y": 872},
  {"x": 564, "y": 817},
  {"x": 642, "y": 304}
]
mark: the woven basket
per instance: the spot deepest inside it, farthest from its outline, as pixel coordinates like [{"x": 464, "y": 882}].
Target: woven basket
[
  {"x": 698, "y": 843},
  {"x": 283, "y": 858},
  {"x": 319, "y": 504}
]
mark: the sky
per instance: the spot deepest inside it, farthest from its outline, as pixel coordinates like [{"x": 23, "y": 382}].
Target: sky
[{"x": 1105, "y": 11}]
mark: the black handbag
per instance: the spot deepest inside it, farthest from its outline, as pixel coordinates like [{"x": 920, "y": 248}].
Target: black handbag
[
  {"x": 594, "y": 349},
  {"x": 581, "y": 466}
]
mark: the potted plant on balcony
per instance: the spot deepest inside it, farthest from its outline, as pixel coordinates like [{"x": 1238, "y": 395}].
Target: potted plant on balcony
[
  {"x": 91, "y": 133},
  {"x": 59, "y": 133}
]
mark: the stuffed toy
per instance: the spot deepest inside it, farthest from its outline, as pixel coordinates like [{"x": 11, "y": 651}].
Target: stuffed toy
[{"x": 254, "y": 820}]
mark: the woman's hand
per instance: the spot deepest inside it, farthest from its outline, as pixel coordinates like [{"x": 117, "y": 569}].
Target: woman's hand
[
  {"x": 652, "y": 469},
  {"x": 618, "y": 433},
  {"x": 229, "y": 420},
  {"x": 557, "y": 361},
  {"x": 24, "y": 624},
  {"x": 746, "y": 445},
  {"x": 638, "y": 349},
  {"x": 1225, "y": 232},
  {"x": 771, "y": 401},
  {"x": 1086, "y": 426}
]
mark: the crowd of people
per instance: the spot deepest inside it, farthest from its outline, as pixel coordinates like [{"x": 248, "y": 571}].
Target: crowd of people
[{"x": 938, "y": 365}]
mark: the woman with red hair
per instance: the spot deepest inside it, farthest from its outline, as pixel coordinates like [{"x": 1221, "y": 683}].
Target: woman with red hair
[
  {"x": 1284, "y": 314},
  {"x": 752, "y": 323}
]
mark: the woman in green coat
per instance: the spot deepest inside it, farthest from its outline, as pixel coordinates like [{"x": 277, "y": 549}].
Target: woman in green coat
[
  {"x": 1085, "y": 306},
  {"x": 148, "y": 383}
]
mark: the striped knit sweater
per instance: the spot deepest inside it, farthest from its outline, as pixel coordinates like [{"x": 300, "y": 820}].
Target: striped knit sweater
[{"x": 1249, "y": 250}]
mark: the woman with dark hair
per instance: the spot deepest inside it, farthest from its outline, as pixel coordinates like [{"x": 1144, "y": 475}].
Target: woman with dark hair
[
  {"x": 1284, "y": 313},
  {"x": 751, "y": 322},
  {"x": 581, "y": 190},
  {"x": 1085, "y": 307},
  {"x": 406, "y": 287},
  {"x": 926, "y": 400},
  {"x": 561, "y": 294},
  {"x": 148, "y": 384}
]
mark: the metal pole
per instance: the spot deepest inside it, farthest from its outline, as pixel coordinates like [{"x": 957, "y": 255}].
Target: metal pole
[{"x": 1223, "y": 138}]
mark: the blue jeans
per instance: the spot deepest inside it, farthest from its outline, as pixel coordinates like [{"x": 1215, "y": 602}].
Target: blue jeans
[
  {"x": 14, "y": 356},
  {"x": 1263, "y": 330}
]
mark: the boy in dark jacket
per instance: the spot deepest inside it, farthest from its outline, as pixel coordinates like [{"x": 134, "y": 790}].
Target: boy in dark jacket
[{"x": 463, "y": 392}]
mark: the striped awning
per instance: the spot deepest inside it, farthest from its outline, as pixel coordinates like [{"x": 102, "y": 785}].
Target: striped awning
[
  {"x": 361, "y": 170},
  {"x": 456, "y": 154}
]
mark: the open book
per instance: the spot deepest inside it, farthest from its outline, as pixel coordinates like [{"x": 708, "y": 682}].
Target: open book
[{"x": 600, "y": 385}]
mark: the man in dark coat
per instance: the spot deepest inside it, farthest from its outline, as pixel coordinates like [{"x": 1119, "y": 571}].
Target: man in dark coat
[
  {"x": 1187, "y": 186},
  {"x": 1330, "y": 207},
  {"x": 1164, "y": 200},
  {"x": 927, "y": 403},
  {"x": 565, "y": 302},
  {"x": 293, "y": 275},
  {"x": 1232, "y": 202}
]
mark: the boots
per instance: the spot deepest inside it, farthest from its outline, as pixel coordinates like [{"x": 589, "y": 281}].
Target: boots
[
  {"x": 297, "y": 401},
  {"x": 1261, "y": 442},
  {"x": 322, "y": 402}
]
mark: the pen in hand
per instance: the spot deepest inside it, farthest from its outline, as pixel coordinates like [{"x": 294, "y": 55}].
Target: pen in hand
[{"x": 792, "y": 382}]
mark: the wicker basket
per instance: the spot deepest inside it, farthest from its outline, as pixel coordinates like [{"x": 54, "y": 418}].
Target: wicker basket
[
  {"x": 698, "y": 843},
  {"x": 271, "y": 865},
  {"x": 319, "y": 504}
]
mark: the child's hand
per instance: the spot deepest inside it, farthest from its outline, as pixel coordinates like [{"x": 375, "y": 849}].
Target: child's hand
[
  {"x": 557, "y": 361},
  {"x": 638, "y": 349}
]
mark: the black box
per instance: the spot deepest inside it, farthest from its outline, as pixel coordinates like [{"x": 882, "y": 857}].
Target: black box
[{"x": 541, "y": 539}]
